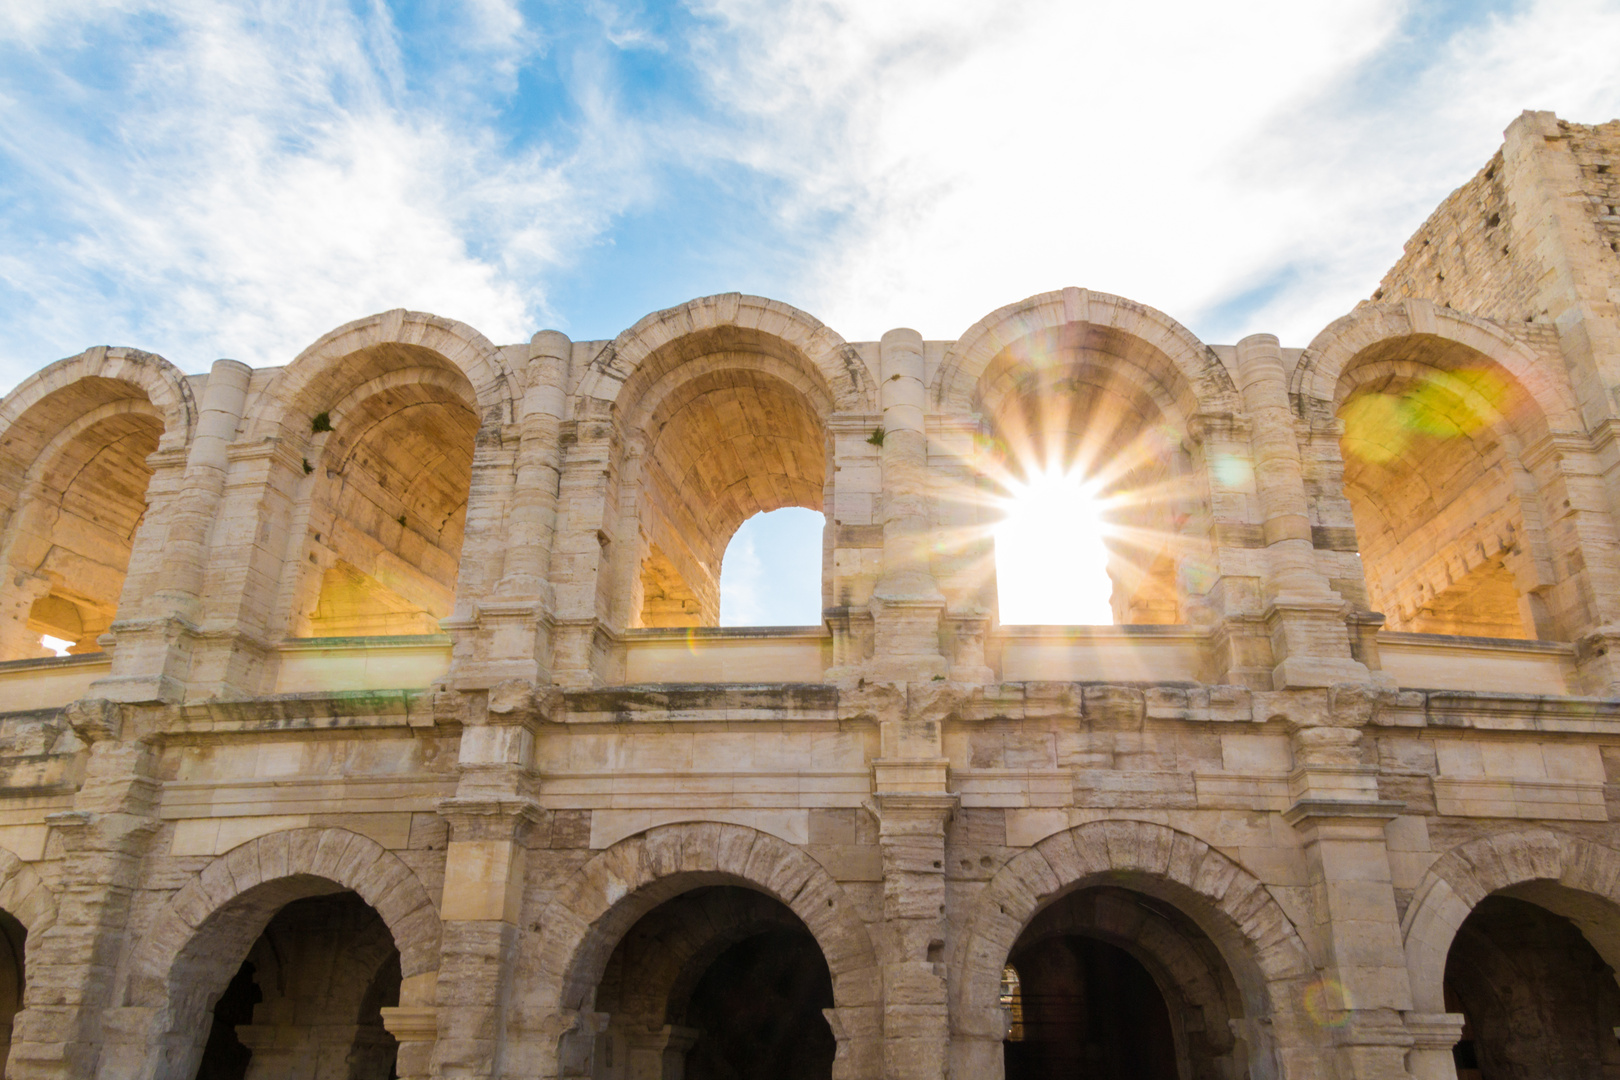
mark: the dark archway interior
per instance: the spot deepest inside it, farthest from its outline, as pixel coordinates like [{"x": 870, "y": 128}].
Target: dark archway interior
[
  {"x": 758, "y": 1012},
  {"x": 1089, "y": 1009},
  {"x": 1539, "y": 1001},
  {"x": 719, "y": 983},
  {"x": 1109, "y": 982},
  {"x": 12, "y": 935},
  {"x": 307, "y": 1002}
]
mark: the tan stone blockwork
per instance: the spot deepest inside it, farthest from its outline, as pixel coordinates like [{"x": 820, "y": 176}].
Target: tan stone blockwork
[{"x": 408, "y": 661}]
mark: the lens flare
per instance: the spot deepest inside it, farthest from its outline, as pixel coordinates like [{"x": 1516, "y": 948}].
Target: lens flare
[{"x": 1050, "y": 554}]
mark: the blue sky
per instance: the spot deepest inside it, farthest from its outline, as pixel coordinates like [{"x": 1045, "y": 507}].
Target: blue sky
[{"x": 204, "y": 179}]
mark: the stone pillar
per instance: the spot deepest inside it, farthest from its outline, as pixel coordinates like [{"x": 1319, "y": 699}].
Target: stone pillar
[
  {"x": 906, "y": 600},
  {"x": 512, "y": 636},
  {"x": 1309, "y": 639},
  {"x": 911, "y": 837},
  {"x": 152, "y": 662},
  {"x": 1434, "y": 1036},
  {"x": 583, "y": 549},
  {"x": 659, "y": 1054},
  {"x": 911, "y": 782},
  {"x": 1338, "y": 813},
  {"x": 485, "y": 869},
  {"x": 71, "y": 966}
]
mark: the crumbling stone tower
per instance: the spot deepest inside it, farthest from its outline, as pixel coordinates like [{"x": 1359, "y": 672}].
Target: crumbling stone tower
[{"x": 396, "y": 732}]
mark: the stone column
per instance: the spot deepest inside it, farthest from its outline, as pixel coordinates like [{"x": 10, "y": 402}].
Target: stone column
[
  {"x": 512, "y": 637},
  {"x": 911, "y": 782},
  {"x": 485, "y": 868},
  {"x": 1338, "y": 813},
  {"x": 1434, "y": 1036},
  {"x": 906, "y": 600},
  {"x": 151, "y": 663},
  {"x": 103, "y": 838},
  {"x": 582, "y": 549},
  {"x": 658, "y": 1054},
  {"x": 1309, "y": 638}
]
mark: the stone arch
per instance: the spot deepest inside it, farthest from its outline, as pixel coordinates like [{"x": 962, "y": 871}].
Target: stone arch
[
  {"x": 590, "y": 913},
  {"x": 1257, "y": 940},
  {"x": 1080, "y": 379},
  {"x": 848, "y": 381},
  {"x": 965, "y": 361},
  {"x": 140, "y": 374},
  {"x": 313, "y": 382},
  {"x": 1442, "y": 420},
  {"x": 185, "y": 959},
  {"x": 1517, "y": 861},
  {"x": 1321, "y": 368},
  {"x": 76, "y": 446},
  {"x": 24, "y": 895}
]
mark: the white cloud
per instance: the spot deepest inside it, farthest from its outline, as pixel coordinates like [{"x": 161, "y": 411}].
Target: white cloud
[
  {"x": 1176, "y": 153},
  {"x": 264, "y": 181}
]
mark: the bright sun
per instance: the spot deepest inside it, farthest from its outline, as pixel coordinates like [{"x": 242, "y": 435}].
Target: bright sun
[{"x": 1051, "y": 564}]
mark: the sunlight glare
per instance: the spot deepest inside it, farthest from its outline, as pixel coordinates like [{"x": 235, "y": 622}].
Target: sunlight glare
[
  {"x": 57, "y": 645},
  {"x": 1051, "y": 563}
]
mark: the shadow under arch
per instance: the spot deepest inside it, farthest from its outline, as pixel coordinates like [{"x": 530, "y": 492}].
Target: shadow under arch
[
  {"x": 1261, "y": 948},
  {"x": 590, "y": 913},
  {"x": 182, "y": 963}
]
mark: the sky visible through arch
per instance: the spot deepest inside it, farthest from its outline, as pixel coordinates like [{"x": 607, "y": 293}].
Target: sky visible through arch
[{"x": 204, "y": 179}]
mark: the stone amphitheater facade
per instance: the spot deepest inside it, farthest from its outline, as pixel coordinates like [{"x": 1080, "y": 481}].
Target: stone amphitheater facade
[{"x": 397, "y": 738}]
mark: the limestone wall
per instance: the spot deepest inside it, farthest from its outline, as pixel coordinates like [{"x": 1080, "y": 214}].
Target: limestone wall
[{"x": 399, "y": 735}]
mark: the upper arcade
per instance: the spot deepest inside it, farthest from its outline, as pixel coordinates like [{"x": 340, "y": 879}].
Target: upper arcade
[{"x": 1425, "y": 495}]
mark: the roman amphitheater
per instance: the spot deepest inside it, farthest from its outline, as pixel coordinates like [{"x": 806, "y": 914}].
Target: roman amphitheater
[{"x": 395, "y": 735}]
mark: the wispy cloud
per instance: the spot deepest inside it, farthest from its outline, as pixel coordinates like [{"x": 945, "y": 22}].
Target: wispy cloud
[
  {"x": 204, "y": 178},
  {"x": 235, "y": 180},
  {"x": 1244, "y": 167}
]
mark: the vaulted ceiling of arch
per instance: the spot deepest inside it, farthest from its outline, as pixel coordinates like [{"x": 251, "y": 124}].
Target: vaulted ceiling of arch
[
  {"x": 30, "y": 433},
  {"x": 341, "y": 377},
  {"x": 1106, "y": 355},
  {"x": 730, "y": 444},
  {"x": 1428, "y": 469},
  {"x": 719, "y": 348}
]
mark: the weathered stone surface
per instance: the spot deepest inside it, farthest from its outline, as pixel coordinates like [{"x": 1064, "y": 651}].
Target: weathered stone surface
[{"x": 411, "y": 697}]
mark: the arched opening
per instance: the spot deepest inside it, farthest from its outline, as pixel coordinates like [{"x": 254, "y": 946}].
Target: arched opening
[
  {"x": 1446, "y": 513},
  {"x": 1095, "y": 489},
  {"x": 391, "y": 468},
  {"x": 306, "y": 1002},
  {"x": 732, "y": 427},
  {"x": 718, "y": 983},
  {"x": 72, "y": 530},
  {"x": 771, "y": 573},
  {"x": 12, "y": 938},
  {"x": 1111, "y": 982},
  {"x": 1538, "y": 999}
]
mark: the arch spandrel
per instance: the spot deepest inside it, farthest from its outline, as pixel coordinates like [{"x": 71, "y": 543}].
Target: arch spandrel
[
  {"x": 308, "y": 385},
  {"x": 1320, "y": 372},
  {"x": 847, "y": 381},
  {"x": 1463, "y": 876},
  {"x": 955, "y": 384}
]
